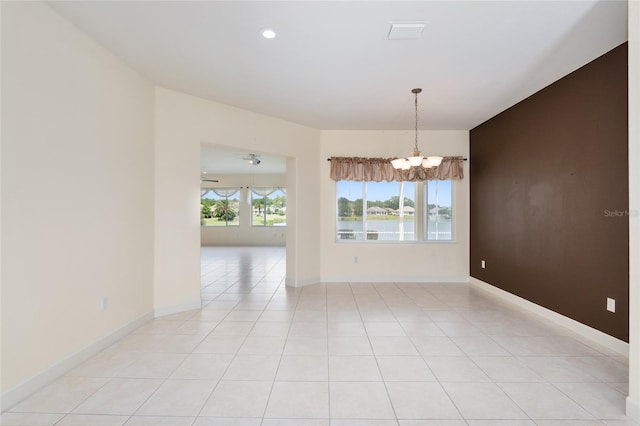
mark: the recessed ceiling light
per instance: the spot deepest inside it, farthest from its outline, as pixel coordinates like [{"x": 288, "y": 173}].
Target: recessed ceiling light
[
  {"x": 268, "y": 33},
  {"x": 405, "y": 30}
]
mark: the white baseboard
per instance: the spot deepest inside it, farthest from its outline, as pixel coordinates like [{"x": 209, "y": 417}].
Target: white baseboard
[
  {"x": 633, "y": 409},
  {"x": 300, "y": 283},
  {"x": 174, "y": 309},
  {"x": 21, "y": 391},
  {"x": 597, "y": 336},
  {"x": 395, "y": 279}
]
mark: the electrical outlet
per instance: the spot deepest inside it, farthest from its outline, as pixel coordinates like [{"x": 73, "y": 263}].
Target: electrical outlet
[
  {"x": 104, "y": 303},
  {"x": 483, "y": 264},
  {"x": 611, "y": 305}
]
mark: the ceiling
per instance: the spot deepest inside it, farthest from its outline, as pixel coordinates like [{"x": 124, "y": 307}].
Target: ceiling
[{"x": 331, "y": 66}]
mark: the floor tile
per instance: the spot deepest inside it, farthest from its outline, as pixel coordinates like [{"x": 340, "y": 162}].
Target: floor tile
[
  {"x": 159, "y": 421},
  {"x": 384, "y": 329},
  {"x": 483, "y": 401},
  {"x": 359, "y": 400},
  {"x": 196, "y": 327},
  {"x": 542, "y": 401},
  {"x": 356, "y": 422},
  {"x": 559, "y": 369},
  {"x": 262, "y": 345},
  {"x": 238, "y": 399},
  {"x": 271, "y": 328},
  {"x": 432, "y": 423},
  {"x": 31, "y": 419},
  {"x": 276, "y": 316},
  {"x": 220, "y": 344},
  {"x": 203, "y": 366},
  {"x": 92, "y": 420},
  {"x": 601, "y": 401},
  {"x": 346, "y": 329},
  {"x": 178, "y": 398},
  {"x": 119, "y": 396},
  {"x": 604, "y": 368},
  {"x": 292, "y": 400},
  {"x": 421, "y": 328},
  {"x": 404, "y": 369},
  {"x": 306, "y": 346},
  {"x": 506, "y": 369},
  {"x": 104, "y": 364},
  {"x": 353, "y": 369},
  {"x": 227, "y": 421},
  {"x": 420, "y": 400},
  {"x": 62, "y": 396},
  {"x": 253, "y": 367},
  {"x": 232, "y": 328},
  {"x": 479, "y": 346},
  {"x": 437, "y": 346},
  {"x": 386, "y": 346},
  {"x": 502, "y": 423},
  {"x": 460, "y": 329},
  {"x": 570, "y": 423},
  {"x": 239, "y": 315},
  {"x": 308, "y": 329},
  {"x": 349, "y": 346},
  {"x": 311, "y": 315},
  {"x": 296, "y": 422},
  {"x": 303, "y": 368},
  {"x": 456, "y": 369},
  {"x": 152, "y": 365}
]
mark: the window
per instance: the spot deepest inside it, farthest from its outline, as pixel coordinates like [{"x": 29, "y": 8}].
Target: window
[
  {"x": 219, "y": 207},
  {"x": 439, "y": 217},
  {"x": 269, "y": 207},
  {"x": 376, "y": 211},
  {"x": 373, "y": 211}
]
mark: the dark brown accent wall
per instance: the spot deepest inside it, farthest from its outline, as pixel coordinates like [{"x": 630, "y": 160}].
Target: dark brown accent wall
[{"x": 549, "y": 196}]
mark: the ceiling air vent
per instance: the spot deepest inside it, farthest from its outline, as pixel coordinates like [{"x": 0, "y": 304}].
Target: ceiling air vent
[{"x": 405, "y": 31}]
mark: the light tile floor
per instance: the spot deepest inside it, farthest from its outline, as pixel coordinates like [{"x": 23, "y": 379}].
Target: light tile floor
[{"x": 357, "y": 354}]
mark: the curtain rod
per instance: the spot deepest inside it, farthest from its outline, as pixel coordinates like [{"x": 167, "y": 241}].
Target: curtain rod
[{"x": 464, "y": 159}]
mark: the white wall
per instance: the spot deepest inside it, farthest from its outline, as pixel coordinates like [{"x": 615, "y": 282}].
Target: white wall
[
  {"x": 77, "y": 211},
  {"x": 633, "y": 401},
  {"x": 182, "y": 124},
  {"x": 244, "y": 234},
  {"x": 411, "y": 261}
]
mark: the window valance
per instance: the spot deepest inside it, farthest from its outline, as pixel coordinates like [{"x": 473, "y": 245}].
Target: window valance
[{"x": 379, "y": 169}]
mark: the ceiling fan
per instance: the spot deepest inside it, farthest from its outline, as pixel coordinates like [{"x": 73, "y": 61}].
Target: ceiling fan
[
  {"x": 253, "y": 159},
  {"x": 204, "y": 179}
]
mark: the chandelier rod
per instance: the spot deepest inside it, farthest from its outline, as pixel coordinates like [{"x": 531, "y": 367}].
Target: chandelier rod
[{"x": 415, "y": 92}]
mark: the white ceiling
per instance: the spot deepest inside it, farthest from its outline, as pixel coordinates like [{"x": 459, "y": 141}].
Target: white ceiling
[{"x": 331, "y": 67}]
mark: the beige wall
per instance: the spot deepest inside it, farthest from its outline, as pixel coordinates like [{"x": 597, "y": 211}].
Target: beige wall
[
  {"x": 416, "y": 261},
  {"x": 77, "y": 211},
  {"x": 245, "y": 234},
  {"x": 185, "y": 122}
]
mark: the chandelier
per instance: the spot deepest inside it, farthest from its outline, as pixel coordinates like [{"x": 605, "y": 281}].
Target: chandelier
[{"x": 416, "y": 159}]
